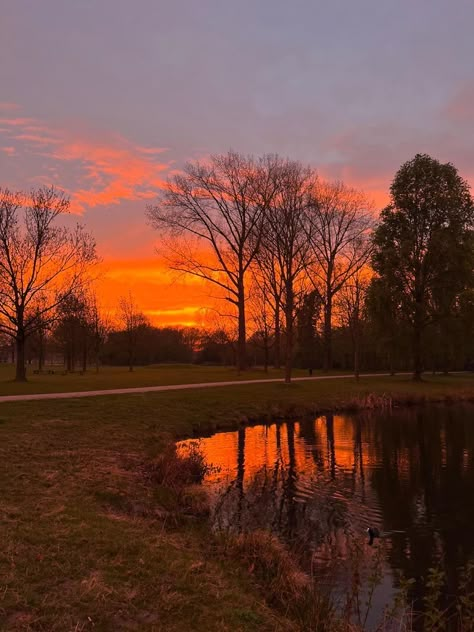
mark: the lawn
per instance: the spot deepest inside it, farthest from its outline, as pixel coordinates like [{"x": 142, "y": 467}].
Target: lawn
[
  {"x": 86, "y": 543},
  {"x": 120, "y": 377}
]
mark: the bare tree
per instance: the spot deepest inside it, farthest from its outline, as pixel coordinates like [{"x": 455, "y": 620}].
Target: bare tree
[
  {"x": 72, "y": 329},
  {"x": 38, "y": 340},
  {"x": 41, "y": 263},
  {"x": 133, "y": 322},
  {"x": 351, "y": 301},
  {"x": 286, "y": 237},
  {"x": 262, "y": 317},
  {"x": 214, "y": 213},
  {"x": 269, "y": 283},
  {"x": 340, "y": 222},
  {"x": 100, "y": 326}
]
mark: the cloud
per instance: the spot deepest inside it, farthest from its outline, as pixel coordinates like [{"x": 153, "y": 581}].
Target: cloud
[
  {"x": 19, "y": 121},
  {"x": 114, "y": 170},
  {"x": 36, "y": 138},
  {"x": 100, "y": 170}
]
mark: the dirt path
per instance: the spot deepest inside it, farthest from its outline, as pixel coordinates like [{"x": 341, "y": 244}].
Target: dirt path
[{"x": 173, "y": 387}]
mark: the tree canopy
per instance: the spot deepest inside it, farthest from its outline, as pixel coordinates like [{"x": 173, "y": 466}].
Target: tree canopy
[{"x": 423, "y": 246}]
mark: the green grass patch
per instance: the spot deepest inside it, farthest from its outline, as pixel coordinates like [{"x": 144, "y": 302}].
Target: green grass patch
[{"x": 120, "y": 377}]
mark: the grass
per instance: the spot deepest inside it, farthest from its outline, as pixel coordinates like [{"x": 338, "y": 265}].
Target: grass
[
  {"x": 89, "y": 544},
  {"x": 120, "y": 377}
]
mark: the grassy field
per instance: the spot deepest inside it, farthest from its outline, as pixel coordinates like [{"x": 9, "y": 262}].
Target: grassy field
[
  {"x": 120, "y": 377},
  {"x": 89, "y": 544}
]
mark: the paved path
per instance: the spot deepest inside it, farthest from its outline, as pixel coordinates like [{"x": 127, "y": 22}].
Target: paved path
[{"x": 173, "y": 387}]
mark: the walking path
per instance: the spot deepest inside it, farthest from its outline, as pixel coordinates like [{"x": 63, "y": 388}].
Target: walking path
[{"x": 173, "y": 387}]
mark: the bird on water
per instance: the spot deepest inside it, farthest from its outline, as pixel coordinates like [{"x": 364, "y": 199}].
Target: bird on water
[{"x": 373, "y": 533}]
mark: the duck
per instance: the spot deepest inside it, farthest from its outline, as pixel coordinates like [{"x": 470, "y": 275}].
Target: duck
[{"x": 373, "y": 533}]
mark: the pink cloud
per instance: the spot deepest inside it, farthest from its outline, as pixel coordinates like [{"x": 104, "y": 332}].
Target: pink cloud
[
  {"x": 107, "y": 169},
  {"x": 114, "y": 171},
  {"x": 17, "y": 121},
  {"x": 35, "y": 138}
]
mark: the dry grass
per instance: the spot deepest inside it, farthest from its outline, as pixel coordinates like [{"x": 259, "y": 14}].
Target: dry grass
[{"x": 88, "y": 543}]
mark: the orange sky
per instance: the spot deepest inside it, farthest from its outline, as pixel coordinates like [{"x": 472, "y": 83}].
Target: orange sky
[
  {"x": 110, "y": 181},
  {"x": 166, "y": 298}
]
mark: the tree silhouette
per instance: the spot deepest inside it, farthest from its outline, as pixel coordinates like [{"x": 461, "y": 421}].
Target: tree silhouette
[
  {"x": 42, "y": 264},
  {"x": 423, "y": 247}
]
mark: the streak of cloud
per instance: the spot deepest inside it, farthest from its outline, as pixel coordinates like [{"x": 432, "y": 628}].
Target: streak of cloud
[{"x": 109, "y": 169}]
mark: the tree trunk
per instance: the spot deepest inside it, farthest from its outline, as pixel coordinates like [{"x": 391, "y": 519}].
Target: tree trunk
[
  {"x": 241, "y": 342},
  {"x": 356, "y": 360},
  {"x": 41, "y": 353},
  {"x": 446, "y": 357},
  {"x": 327, "y": 358},
  {"x": 265, "y": 353},
  {"x": 417, "y": 352},
  {"x": 20, "y": 375},
  {"x": 277, "y": 355},
  {"x": 355, "y": 342},
  {"x": 84, "y": 358},
  {"x": 289, "y": 332},
  {"x": 69, "y": 360},
  {"x": 391, "y": 365},
  {"x": 73, "y": 354}
]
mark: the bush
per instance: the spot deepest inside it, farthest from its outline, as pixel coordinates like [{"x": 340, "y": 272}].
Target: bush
[{"x": 178, "y": 469}]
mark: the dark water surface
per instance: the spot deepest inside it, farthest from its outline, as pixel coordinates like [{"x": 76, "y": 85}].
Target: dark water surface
[{"x": 318, "y": 484}]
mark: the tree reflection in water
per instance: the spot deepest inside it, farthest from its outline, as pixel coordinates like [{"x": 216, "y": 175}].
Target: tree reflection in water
[{"x": 320, "y": 483}]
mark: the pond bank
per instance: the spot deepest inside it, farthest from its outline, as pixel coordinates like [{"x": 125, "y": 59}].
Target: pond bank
[{"x": 366, "y": 394}]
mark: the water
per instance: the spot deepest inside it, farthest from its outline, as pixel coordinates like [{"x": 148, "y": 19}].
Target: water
[{"x": 318, "y": 484}]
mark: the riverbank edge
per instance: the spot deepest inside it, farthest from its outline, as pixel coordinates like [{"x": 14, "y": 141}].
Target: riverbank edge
[{"x": 293, "y": 411}]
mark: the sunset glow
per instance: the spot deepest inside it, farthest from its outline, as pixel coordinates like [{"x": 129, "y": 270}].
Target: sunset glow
[{"x": 109, "y": 121}]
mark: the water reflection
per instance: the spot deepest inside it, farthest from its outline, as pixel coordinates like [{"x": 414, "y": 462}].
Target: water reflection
[{"x": 320, "y": 483}]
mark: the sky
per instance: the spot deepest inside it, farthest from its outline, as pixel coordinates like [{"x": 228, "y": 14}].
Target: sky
[{"x": 106, "y": 98}]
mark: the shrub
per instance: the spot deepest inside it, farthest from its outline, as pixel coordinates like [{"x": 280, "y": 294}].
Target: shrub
[{"x": 177, "y": 469}]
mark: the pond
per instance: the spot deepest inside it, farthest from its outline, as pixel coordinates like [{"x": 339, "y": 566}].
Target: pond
[{"x": 320, "y": 483}]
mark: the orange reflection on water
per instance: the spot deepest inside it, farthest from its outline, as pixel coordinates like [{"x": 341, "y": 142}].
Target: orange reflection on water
[{"x": 252, "y": 448}]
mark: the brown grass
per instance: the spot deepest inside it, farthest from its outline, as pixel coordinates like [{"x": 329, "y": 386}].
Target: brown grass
[{"x": 91, "y": 542}]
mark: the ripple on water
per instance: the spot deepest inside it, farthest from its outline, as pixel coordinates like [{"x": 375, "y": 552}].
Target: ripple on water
[{"x": 321, "y": 483}]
